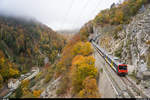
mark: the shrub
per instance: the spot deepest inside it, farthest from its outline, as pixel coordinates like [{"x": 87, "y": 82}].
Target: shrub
[
  {"x": 29, "y": 95},
  {"x": 48, "y": 78},
  {"x": 101, "y": 70},
  {"x": 32, "y": 83},
  {"x": 1, "y": 80},
  {"x": 19, "y": 92},
  {"x": 37, "y": 93},
  {"x": 82, "y": 67},
  {"x": 148, "y": 61},
  {"x": 90, "y": 88},
  {"x": 63, "y": 86},
  {"x": 38, "y": 75},
  {"x": 118, "y": 52},
  {"x": 82, "y": 48}
]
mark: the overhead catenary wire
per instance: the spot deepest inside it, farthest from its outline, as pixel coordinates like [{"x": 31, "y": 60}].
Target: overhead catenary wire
[
  {"x": 94, "y": 10},
  {"x": 82, "y": 14},
  {"x": 67, "y": 13},
  {"x": 84, "y": 6},
  {"x": 97, "y": 6}
]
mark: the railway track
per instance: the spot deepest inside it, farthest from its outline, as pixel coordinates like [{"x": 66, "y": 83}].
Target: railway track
[
  {"x": 131, "y": 91},
  {"x": 135, "y": 92},
  {"x": 119, "y": 89}
]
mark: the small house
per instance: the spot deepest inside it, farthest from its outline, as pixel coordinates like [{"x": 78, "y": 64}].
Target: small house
[{"x": 13, "y": 83}]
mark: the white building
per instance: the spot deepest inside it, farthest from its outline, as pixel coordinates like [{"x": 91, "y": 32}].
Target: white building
[
  {"x": 46, "y": 60},
  {"x": 13, "y": 83}
]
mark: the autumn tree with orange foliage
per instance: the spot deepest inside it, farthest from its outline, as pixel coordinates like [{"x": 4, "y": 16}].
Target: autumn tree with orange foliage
[
  {"x": 82, "y": 48},
  {"x": 120, "y": 14},
  {"x": 65, "y": 61},
  {"x": 76, "y": 64},
  {"x": 7, "y": 69},
  {"x": 82, "y": 67},
  {"x": 90, "y": 89},
  {"x": 37, "y": 93},
  {"x": 25, "y": 87}
]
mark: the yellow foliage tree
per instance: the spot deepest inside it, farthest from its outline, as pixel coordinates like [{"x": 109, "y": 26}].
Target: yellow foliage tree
[
  {"x": 82, "y": 67},
  {"x": 84, "y": 33},
  {"x": 4, "y": 70},
  {"x": 25, "y": 91},
  {"x": 82, "y": 48},
  {"x": 1, "y": 80},
  {"x": 2, "y": 60},
  {"x": 118, "y": 16},
  {"x": 13, "y": 72},
  {"x": 25, "y": 83},
  {"x": 37, "y": 93},
  {"x": 7, "y": 69},
  {"x": 24, "y": 87},
  {"x": 1, "y": 54},
  {"x": 90, "y": 89}
]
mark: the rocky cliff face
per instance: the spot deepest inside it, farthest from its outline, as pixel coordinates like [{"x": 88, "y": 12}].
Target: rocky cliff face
[
  {"x": 133, "y": 44},
  {"x": 136, "y": 49}
]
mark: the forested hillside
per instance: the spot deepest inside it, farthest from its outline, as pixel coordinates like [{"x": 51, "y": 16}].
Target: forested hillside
[
  {"x": 113, "y": 20},
  {"x": 117, "y": 26},
  {"x": 70, "y": 69},
  {"x": 77, "y": 66},
  {"x": 25, "y": 44}
]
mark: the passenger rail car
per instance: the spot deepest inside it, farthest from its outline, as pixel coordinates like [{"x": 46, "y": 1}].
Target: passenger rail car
[{"x": 119, "y": 68}]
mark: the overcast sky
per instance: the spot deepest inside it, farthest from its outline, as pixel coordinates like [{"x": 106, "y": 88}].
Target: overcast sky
[{"x": 57, "y": 14}]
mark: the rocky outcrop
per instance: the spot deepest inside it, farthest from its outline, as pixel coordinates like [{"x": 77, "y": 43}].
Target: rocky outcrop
[
  {"x": 50, "y": 91},
  {"x": 134, "y": 42},
  {"x": 135, "y": 47}
]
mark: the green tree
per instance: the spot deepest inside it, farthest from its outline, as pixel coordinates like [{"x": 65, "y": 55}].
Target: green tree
[
  {"x": 1, "y": 80},
  {"x": 19, "y": 92}
]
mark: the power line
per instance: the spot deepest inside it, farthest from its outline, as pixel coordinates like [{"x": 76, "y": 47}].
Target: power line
[
  {"x": 90, "y": 14},
  {"x": 67, "y": 13},
  {"x": 81, "y": 11},
  {"x": 96, "y": 7},
  {"x": 84, "y": 16}
]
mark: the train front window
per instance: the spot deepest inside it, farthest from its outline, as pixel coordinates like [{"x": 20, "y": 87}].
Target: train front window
[{"x": 122, "y": 67}]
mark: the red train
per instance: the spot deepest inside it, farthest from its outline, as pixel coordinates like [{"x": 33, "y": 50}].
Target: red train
[{"x": 119, "y": 68}]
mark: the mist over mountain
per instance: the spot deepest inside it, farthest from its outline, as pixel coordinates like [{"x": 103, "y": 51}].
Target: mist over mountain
[
  {"x": 73, "y": 31},
  {"x": 25, "y": 43},
  {"x": 57, "y": 14}
]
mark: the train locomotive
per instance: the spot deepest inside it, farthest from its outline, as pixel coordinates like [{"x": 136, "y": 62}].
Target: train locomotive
[{"x": 119, "y": 68}]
